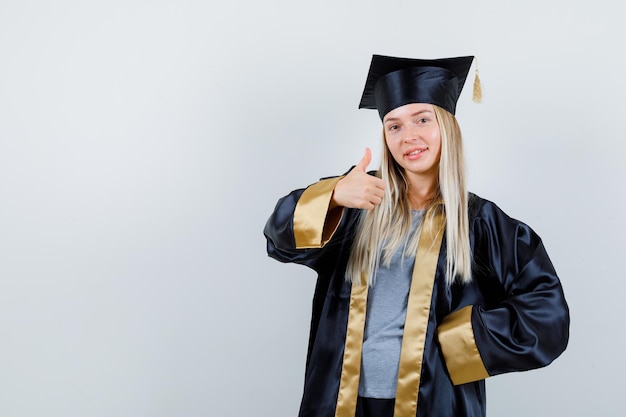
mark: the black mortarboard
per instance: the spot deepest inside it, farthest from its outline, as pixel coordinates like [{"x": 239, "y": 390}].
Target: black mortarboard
[{"x": 393, "y": 82}]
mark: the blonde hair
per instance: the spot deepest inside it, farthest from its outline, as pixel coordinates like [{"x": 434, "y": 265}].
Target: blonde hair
[{"x": 386, "y": 228}]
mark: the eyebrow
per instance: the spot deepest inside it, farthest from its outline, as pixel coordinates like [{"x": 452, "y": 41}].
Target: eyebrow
[{"x": 417, "y": 113}]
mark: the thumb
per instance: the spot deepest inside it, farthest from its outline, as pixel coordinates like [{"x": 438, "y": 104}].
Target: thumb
[{"x": 365, "y": 161}]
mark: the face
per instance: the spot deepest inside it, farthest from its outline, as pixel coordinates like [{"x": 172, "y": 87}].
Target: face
[{"x": 413, "y": 137}]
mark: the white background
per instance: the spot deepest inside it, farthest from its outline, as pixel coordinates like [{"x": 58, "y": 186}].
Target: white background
[{"x": 143, "y": 144}]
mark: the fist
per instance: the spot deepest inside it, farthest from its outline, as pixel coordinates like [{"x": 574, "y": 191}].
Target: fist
[{"x": 358, "y": 189}]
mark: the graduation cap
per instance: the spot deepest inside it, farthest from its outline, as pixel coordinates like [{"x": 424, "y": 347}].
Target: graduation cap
[{"x": 393, "y": 82}]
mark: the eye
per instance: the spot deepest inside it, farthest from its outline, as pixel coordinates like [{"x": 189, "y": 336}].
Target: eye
[
  {"x": 422, "y": 120},
  {"x": 393, "y": 127}
]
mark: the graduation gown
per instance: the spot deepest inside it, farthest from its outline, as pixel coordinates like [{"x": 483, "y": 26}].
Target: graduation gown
[{"x": 512, "y": 316}]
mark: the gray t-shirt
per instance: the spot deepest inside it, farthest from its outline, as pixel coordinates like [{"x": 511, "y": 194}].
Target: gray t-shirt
[{"x": 384, "y": 324}]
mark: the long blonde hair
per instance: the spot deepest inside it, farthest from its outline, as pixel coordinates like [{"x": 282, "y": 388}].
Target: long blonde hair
[{"x": 386, "y": 228}]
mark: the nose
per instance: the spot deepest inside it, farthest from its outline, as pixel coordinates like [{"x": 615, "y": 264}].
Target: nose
[
  {"x": 410, "y": 137},
  {"x": 411, "y": 134}
]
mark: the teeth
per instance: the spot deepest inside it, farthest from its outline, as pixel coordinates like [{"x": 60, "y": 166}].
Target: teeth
[{"x": 416, "y": 152}]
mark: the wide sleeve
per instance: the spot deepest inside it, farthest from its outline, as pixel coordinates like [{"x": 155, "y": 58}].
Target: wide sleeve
[
  {"x": 528, "y": 327},
  {"x": 302, "y": 222}
]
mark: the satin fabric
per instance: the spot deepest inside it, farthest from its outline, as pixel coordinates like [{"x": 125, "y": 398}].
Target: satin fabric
[
  {"x": 393, "y": 82},
  {"x": 374, "y": 407},
  {"x": 458, "y": 344},
  {"x": 351, "y": 368},
  {"x": 416, "y": 85},
  {"x": 519, "y": 315},
  {"x": 417, "y": 314}
]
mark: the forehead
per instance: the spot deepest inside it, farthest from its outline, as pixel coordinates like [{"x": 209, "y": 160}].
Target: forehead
[{"x": 409, "y": 110}]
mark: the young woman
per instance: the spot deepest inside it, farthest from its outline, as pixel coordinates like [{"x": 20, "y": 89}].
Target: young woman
[{"x": 424, "y": 290}]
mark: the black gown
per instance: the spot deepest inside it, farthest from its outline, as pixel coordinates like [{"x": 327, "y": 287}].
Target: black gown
[{"x": 512, "y": 316}]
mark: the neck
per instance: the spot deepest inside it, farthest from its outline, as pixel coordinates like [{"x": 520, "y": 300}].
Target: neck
[{"x": 422, "y": 192}]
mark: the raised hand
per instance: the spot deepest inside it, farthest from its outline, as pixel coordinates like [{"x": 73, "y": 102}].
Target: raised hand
[{"x": 358, "y": 189}]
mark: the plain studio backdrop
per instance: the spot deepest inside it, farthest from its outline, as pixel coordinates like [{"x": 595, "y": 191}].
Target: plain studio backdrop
[{"x": 143, "y": 144}]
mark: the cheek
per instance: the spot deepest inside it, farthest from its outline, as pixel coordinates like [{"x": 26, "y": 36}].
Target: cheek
[
  {"x": 389, "y": 146},
  {"x": 392, "y": 153},
  {"x": 436, "y": 141},
  {"x": 393, "y": 145}
]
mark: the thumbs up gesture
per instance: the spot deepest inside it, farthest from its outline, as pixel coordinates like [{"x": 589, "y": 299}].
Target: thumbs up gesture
[{"x": 358, "y": 189}]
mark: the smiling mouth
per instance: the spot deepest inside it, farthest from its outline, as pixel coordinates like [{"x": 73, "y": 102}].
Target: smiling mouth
[{"x": 416, "y": 152}]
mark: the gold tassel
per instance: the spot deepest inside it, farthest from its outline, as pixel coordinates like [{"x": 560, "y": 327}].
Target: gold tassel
[
  {"x": 478, "y": 90},
  {"x": 477, "y": 97}
]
